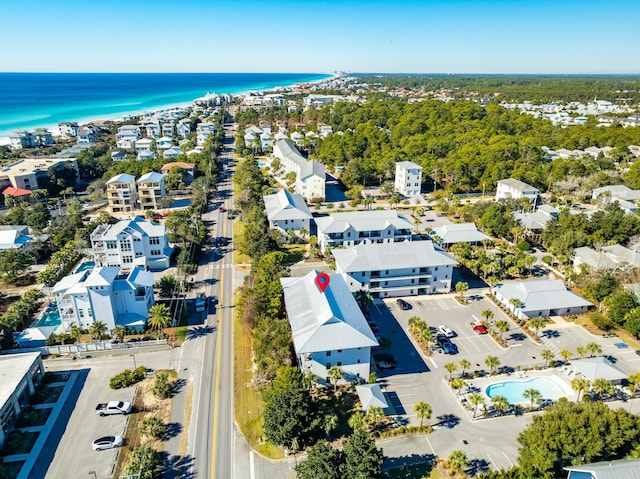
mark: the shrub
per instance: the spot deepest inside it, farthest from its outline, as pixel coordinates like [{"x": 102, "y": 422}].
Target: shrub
[
  {"x": 154, "y": 427},
  {"x": 145, "y": 461},
  {"x": 162, "y": 387},
  {"x": 127, "y": 378}
]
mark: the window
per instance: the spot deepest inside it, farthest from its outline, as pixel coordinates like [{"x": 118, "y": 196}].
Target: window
[
  {"x": 328, "y": 365},
  {"x": 154, "y": 240},
  {"x": 125, "y": 245},
  {"x": 358, "y": 361},
  {"x": 90, "y": 312},
  {"x": 127, "y": 259},
  {"x": 81, "y": 313},
  {"x": 339, "y": 350},
  {"x": 328, "y": 353},
  {"x": 339, "y": 363},
  {"x": 156, "y": 252},
  {"x": 112, "y": 245}
]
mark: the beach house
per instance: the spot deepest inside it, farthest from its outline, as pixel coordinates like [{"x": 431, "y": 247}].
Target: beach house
[
  {"x": 121, "y": 193},
  {"x": 516, "y": 189},
  {"x": 131, "y": 243},
  {"x": 287, "y": 211},
  {"x": 448, "y": 235},
  {"x": 328, "y": 327},
  {"x": 105, "y": 294},
  {"x": 127, "y": 136},
  {"x": 408, "y": 178},
  {"x": 151, "y": 190},
  {"x": 87, "y": 134},
  {"x": 68, "y": 128}
]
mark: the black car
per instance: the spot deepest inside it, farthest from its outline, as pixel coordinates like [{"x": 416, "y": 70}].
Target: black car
[
  {"x": 403, "y": 305},
  {"x": 447, "y": 346}
]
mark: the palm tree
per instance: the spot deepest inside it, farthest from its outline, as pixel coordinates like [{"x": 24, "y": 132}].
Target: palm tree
[
  {"x": 492, "y": 363},
  {"x": 75, "y": 333},
  {"x": 335, "y": 374},
  {"x": 458, "y": 461},
  {"x": 464, "y": 364},
  {"x": 566, "y": 355},
  {"x": 476, "y": 399},
  {"x": 427, "y": 337},
  {"x": 461, "y": 288},
  {"x": 581, "y": 351},
  {"x": 450, "y": 368},
  {"x": 501, "y": 403},
  {"x": 98, "y": 329},
  {"x": 548, "y": 356},
  {"x": 167, "y": 285},
  {"x": 516, "y": 303},
  {"x": 330, "y": 423},
  {"x": 593, "y": 349},
  {"x": 385, "y": 343},
  {"x": 602, "y": 387},
  {"x": 414, "y": 322},
  {"x": 634, "y": 380},
  {"x": 458, "y": 384},
  {"x": 356, "y": 421},
  {"x": 487, "y": 314},
  {"x": 533, "y": 395},
  {"x": 580, "y": 385},
  {"x": 375, "y": 415},
  {"x": 423, "y": 411},
  {"x": 118, "y": 332},
  {"x": 537, "y": 323},
  {"x": 503, "y": 327},
  {"x": 159, "y": 317}
]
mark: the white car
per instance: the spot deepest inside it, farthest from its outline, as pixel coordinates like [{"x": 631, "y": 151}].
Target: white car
[
  {"x": 446, "y": 332},
  {"x": 107, "y": 442}
]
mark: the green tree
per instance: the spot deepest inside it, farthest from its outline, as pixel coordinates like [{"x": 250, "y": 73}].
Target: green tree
[
  {"x": 537, "y": 324},
  {"x": 14, "y": 262},
  {"x": 167, "y": 286},
  {"x": 581, "y": 351},
  {"x": 289, "y": 410},
  {"x": 450, "y": 368},
  {"x": 356, "y": 420},
  {"x": 500, "y": 403},
  {"x": 335, "y": 374},
  {"x": 423, "y": 411},
  {"x": 593, "y": 348},
  {"x": 533, "y": 395},
  {"x": 458, "y": 461},
  {"x": 362, "y": 459},
  {"x": 322, "y": 462},
  {"x": 154, "y": 427},
  {"x": 464, "y": 364},
  {"x": 145, "y": 462},
  {"x": 492, "y": 363},
  {"x": 330, "y": 422},
  {"x": 570, "y": 433},
  {"x": 487, "y": 314},
  {"x": 118, "y": 332},
  {"x": 461, "y": 288},
  {"x": 98, "y": 330},
  {"x": 503, "y": 326},
  {"x": 364, "y": 300},
  {"x": 580, "y": 385},
  {"x": 619, "y": 304},
  {"x": 458, "y": 384},
  {"x": 548, "y": 356},
  {"x": 566, "y": 355},
  {"x": 602, "y": 387},
  {"x": 159, "y": 317},
  {"x": 476, "y": 400}
]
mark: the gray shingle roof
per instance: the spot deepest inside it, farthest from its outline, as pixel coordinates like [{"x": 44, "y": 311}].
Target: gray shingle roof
[
  {"x": 362, "y": 221},
  {"x": 286, "y": 206},
  {"x": 379, "y": 256},
  {"x": 324, "y": 321}
]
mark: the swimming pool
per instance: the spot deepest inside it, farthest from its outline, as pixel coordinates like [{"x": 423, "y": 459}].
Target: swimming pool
[
  {"x": 49, "y": 318},
  {"x": 85, "y": 266},
  {"x": 513, "y": 390}
]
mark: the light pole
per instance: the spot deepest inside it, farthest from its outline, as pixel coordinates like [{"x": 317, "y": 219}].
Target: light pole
[{"x": 134, "y": 360}]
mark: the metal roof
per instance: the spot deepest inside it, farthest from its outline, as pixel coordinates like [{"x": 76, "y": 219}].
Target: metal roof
[
  {"x": 621, "y": 469},
  {"x": 518, "y": 185},
  {"x": 459, "y": 233},
  {"x": 286, "y": 206},
  {"x": 362, "y": 221},
  {"x": 13, "y": 368},
  {"x": 380, "y": 256},
  {"x": 599, "y": 367},
  {"x": 541, "y": 294},
  {"x": 371, "y": 396},
  {"x": 324, "y": 321}
]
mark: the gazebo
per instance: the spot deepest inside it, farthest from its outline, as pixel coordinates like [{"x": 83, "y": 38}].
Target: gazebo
[{"x": 371, "y": 396}]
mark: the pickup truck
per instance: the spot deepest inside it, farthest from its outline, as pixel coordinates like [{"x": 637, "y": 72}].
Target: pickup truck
[{"x": 113, "y": 407}]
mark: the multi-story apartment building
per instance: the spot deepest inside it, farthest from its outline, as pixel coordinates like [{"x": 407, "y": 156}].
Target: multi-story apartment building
[
  {"x": 151, "y": 190},
  {"x": 408, "y": 178},
  {"x": 310, "y": 174},
  {"x": 121, "y": 193},
  {"x": 131, "y": 243},
  {"x": 516, "y": 189}
]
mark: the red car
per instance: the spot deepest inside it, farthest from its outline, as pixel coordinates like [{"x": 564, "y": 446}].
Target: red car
[
  {"x": 221, "y": 209},
  {"x": 480, "y": 329}
]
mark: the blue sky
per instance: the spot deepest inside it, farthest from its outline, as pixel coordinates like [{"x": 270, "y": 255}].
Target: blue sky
[{"x": 500, "y": 36}]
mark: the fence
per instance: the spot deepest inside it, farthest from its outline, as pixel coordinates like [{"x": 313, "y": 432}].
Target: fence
[{"x": 89, "y": 347}]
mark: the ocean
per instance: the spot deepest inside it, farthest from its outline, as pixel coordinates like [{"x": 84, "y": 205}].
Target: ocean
[{"x": 32, "y": 100}]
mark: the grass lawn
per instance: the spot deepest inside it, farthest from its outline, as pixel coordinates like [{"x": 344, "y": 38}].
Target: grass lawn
[
  {"x": 247, "y": 400},
  {"x": 294, "y": 253},
  {"x": 239, "y": 258}
]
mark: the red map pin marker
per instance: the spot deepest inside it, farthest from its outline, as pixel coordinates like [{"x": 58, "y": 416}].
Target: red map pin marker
[{"x": 322, "y": 281}]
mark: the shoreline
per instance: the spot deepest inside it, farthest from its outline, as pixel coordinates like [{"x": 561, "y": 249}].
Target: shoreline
[{"x": 117, "y": 116}]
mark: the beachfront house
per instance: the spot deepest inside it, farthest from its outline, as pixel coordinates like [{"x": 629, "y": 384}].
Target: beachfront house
[
  {"x": 516, "y": 189},
  {"x": 318, "y": 101},
  {"x": 386, "y": 270},
  {"x": 539, "y": 297},
  {"x": 105, "y": 294},
  {"x": 131, "y": 243},
  {"x": 87, "y": 134},
  {"x": 328, "y": 327},
  {"x": 408, "y": 178},
  {"x": 355, "y": 227},
  {"x": 121, "y": 193},
  {"x": 151, "y": 190},
  {"x": 43, "y": 137},
  {"x": 310, "y": 174},
  {"x": 287, "y": 211},
  {"x": 152, "y": 129},
  {"x": 22, "y": 139},
  {"x": 68, "y": 128}
]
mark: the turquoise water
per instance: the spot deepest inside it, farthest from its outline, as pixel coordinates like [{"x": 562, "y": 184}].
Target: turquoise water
[
  {"x": 85, "y": 266},
  {"x": 30, "y": 100},
  {"x": 513, "y": 390},
  {"x": 49, "y": 318}
]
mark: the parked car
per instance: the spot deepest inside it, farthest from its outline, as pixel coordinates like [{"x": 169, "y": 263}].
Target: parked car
[
  {"x": 113, "y": 407},
  {"x": 384, "y": 361},
  {"x": 221, "y": 209},
  {"x": 107, "y": 442},
  {"x": 446, "y": 332},
  {"x": 479, "y": 328},
  {"x": 403, "y": 304},
  {"x": 447, "y": 346}
]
